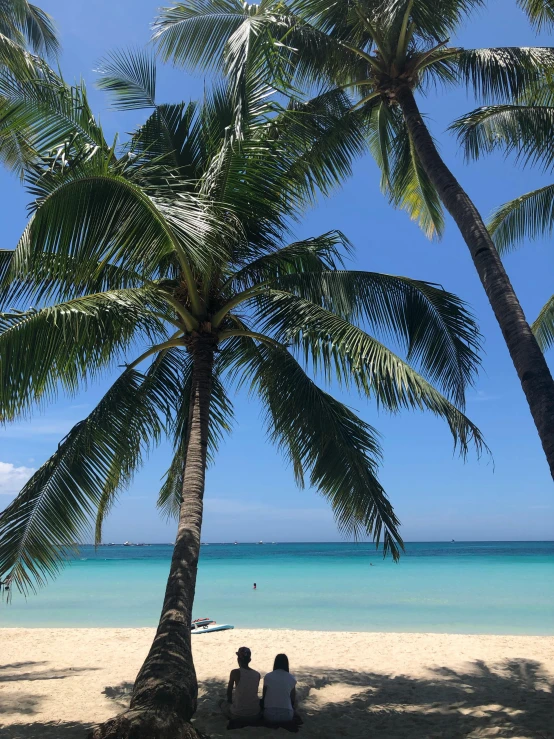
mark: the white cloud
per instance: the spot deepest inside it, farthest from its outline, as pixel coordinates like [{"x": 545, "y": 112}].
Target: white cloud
[{"x": 13, "y": 478}]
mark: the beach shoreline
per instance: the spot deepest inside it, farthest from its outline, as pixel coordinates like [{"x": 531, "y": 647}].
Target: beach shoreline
[{"x": 56, "y": 682}]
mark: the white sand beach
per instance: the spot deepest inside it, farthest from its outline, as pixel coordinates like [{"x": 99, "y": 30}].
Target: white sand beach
[{"x": 55, "y": 683}]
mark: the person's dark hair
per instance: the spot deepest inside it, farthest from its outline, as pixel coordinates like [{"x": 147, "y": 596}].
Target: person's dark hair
[{"x": 281, "y": 662}]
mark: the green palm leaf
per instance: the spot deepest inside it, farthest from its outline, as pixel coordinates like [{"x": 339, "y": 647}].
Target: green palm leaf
[
  {"x": 54, "y": 510},
  {"x": 71, "y": 342},
  {"x": 197, "y": 32},
  {"x": 164, "y": 385},
  {"x": 543, "y": 327},
  {"x": 49, "y": 116},
  {"x": 433, "y": 326},
  {"x": 315, "y": 254},
  {"x": 525, "y": 130},
  {"x": 131, "y": 78},
  {"x": 504, "y": 73},
  {"x": 528, "y": 216},
  {"x": 95, "y": 215},
  {"x": 540, "y": 12},
  {"x": 321, "y": 437},
  {"x": 349, "y": 354},
  {"x": 28, "y": 25}
]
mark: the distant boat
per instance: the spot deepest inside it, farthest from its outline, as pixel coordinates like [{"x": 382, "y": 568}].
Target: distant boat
[
  {"x": 453, "y": 540},
  {"x": 128, "y": 544},
  {"x": 260, "y": 542},
  {"x": 236, "y": 542}
]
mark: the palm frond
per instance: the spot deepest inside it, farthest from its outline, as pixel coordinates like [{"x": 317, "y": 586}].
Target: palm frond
[
  {"x": 170, "y": 138},
  {"x": 40, "y": 528},
  {"x": 347, "y": 353},
  {"x": 197, "y": 31},
  {"x": 6, "y": 256},
  {"x": 322, "y": 137},
  {"x": 320, "y": 437},
  {"x": 543, "y": 327},
  {"x": 316, "y": 254},
  {"x": 29, "y": 27},
  {"x": 70, "y": 342},
  {"x": 403, "y": 178},
  {"x": 171, "y": 491},
  {"x": 433, "y": 326},
  {"x": 93, "y": 214},
  {"x": 55, "y": 280},
  {"x": 164, "y": 386},
  {"x": 130, "y": 75},
  {"x": 525, "y": 130},
  {"x": 436, "y": 21},
  {"x": 529, "y": 216},
  {"x": 53, "y": 118},
  {"x": 507, "y": 73},
  {"x": 540, "y": 12},
  {"x": 40, "y": 30}
]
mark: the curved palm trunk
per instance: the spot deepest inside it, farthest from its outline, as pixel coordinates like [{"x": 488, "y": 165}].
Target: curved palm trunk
[
  {"x": 532, "y": 369},
  {"x": 165, "y": 691}
]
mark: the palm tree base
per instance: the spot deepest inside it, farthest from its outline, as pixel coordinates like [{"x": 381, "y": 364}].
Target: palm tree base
[{"x": 139, "y": 723}]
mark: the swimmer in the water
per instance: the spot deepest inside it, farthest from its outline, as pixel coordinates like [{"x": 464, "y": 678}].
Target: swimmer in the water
[{"x": 255, "y": 586}]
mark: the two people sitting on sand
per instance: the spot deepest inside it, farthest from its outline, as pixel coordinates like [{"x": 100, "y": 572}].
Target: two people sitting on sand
[{"x": 278, "y": 702}]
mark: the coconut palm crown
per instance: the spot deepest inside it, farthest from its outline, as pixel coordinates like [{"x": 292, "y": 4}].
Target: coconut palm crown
[{"x": 181, "y": 237}]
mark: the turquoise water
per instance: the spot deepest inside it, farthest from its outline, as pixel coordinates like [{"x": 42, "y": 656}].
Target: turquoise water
[{"x": 476, "y": 587}]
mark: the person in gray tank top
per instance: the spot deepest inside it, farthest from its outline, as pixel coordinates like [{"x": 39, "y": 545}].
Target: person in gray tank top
[{"x": 242, "y": 691}]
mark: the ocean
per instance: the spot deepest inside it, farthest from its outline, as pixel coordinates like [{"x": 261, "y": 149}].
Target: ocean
[{"x": 458, "y": 587}]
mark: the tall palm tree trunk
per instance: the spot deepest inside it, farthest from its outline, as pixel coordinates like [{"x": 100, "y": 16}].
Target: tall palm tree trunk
[
  {"x": 165, "y": 691},
  {"x": 532, "y": 369}
]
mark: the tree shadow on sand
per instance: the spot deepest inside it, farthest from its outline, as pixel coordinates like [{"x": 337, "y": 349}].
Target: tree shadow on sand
[
  {"x": 509, "y": 699},
  {"x": 65, "y": 730},
  {"x": 16, "y": 703},
  {"x": 505, "y": 700},
  {"x": 18, "y": 671}
]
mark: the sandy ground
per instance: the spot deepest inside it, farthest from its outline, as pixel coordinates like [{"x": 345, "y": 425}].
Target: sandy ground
[{"x": 55, "y": 683}]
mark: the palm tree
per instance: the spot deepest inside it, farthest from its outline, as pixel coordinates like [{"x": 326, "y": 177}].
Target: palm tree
[
  {"x": 524, "y": 126},
  {"x": 383, "y": 51},
  {"x": 171, "y": 256}
]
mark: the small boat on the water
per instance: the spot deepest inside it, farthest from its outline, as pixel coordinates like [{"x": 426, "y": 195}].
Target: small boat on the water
[{"x": 206, "y": 625}]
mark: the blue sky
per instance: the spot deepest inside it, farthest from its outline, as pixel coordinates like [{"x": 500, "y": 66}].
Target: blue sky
[{"x": 250, "y": 492}]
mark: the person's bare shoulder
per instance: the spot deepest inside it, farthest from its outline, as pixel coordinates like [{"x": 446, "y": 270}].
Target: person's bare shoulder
[{"x": 235, "y": 674}]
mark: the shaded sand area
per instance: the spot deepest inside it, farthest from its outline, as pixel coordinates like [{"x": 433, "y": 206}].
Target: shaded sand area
[{"x": 54, "y": 683}]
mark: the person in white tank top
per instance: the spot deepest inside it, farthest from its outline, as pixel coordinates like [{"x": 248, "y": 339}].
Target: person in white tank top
[
  {"x": 242, "y": 691},
  {"x": 279, "y": 695}
]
